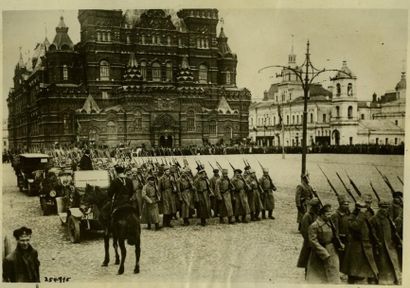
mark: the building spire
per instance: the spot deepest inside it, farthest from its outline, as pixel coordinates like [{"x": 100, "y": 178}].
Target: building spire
[
  {"x": 292, "y": 56},
  {"x": 21, "y": 62}
]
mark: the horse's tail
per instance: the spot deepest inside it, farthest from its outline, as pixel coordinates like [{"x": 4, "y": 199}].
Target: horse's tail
[{"x": 133, "y": 229}]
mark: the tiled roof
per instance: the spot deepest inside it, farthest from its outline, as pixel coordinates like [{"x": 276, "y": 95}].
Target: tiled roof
[{"x": 379, "y": 125}]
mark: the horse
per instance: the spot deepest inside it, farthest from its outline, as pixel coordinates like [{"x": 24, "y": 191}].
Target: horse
[{"x": 123, "y": 224}]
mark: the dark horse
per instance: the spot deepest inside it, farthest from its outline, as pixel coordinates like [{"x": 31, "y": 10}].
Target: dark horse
[{"x": 123, "y": 224}]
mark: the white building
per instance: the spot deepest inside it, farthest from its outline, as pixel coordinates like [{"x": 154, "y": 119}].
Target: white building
[{"x": 334, "y": 116}]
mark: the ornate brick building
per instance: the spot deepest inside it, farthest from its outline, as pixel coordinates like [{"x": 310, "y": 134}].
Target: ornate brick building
[{"x": 152, "y": 77}]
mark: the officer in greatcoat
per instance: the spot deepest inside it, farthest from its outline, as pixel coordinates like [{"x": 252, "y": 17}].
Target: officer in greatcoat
[
  {"x": 387, "y": 246},
  {"x": 166, "y": 188},
  {"x": 223, "y": 189},
  {"x": 121, "y": 190},
  {"x": 307, "y": 219},
  {"x": 22, "y": 265},
  {"x": 304, "y": 192},
  {"x": 151, "y": 197},
  {"x": 267, "y": 197},
  {"x": 323, "y": 263}
]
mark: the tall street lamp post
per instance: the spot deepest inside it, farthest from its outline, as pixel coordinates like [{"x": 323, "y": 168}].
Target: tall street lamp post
[{"x": 305, "y": 73}]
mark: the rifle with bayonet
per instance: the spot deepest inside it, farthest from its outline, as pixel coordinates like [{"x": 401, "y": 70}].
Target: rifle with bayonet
[
  {"x": 256, "y": 180},
  {"x": 330, "y": 183},
  {"x": 386, "y": 180},
  {"x": 354, "y": 185},
  {"x": 346, "y": 188},
  {"x": 401, "y": 181},
  {"x": 241, "y": 177},
  {"x": 392, "y": 224}
]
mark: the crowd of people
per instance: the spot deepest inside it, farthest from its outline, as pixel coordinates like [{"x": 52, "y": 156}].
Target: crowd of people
[{"x": 362, "y": 245}]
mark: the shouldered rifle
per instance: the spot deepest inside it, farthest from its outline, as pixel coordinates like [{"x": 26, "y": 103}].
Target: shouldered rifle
[
  {"x": 219, "y": 165},
  {"x": 401, "y": 181},
  {"x": 346, "y": 188},
  {"x": 337, "y": 242},
  {"x": 233, "y": 168},
  {"x": 211, "y": 165},
  {"x": 392, "y": 224},
  {"x": 386, "y": 180},
  {"x": 354, "y": 185},
  {"x": 328, "y": 181}
]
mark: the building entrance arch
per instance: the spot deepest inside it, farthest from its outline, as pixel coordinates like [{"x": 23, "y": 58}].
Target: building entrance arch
[
  {"x": 165, "y": 141},
  {"x": 336, "y": 137}
]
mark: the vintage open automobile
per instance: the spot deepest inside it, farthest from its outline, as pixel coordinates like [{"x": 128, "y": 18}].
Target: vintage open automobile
[
  {"x": 84, "y": 202},
  {"x": 30, "y": 170}
]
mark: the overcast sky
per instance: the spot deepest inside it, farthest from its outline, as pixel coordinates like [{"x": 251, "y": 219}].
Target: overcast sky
[{"x": 373, "y": 42}]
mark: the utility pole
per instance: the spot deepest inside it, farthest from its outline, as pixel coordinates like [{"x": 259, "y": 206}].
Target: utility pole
[{"x": 305, "y": 73}]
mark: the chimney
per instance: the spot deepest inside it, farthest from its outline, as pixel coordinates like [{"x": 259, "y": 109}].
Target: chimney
[
  {"x": 265, "y": 95},
  {"x": 374, "y": 97}
]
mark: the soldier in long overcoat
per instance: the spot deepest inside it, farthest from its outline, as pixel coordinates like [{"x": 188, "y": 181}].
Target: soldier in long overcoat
[
  {"x": 186, "y": 193},
  {"x": 174, "y": 179},
  {"x": 267, "y": 198},
  {"x": 254, "y": 198},
  {"x": 304, "y": 192},
  {"x": 323, "y": 263},
  {"x": 203, "y": 191},
  {"x": 359, "y": 263},
  {"x": 214, "y": 200},
  {"x": 341, "y": 221},
  {"x": 240, "y": 197},
  {"x": 151, "y": 197},
  {"x": 387, "y": 246},
  {"x": 137, "y": 184},
  {"x": 120, "y": 190},
  {"x": 166, "y": 188},
  {"x": 309, "y": 217},
  {"x": 223, "y": 188}
]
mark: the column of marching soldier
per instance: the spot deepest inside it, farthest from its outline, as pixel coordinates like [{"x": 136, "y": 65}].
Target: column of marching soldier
[{"x": 361, "y": 246}]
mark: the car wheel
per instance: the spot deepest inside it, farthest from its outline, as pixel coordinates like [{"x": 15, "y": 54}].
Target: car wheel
[{"x": 73, "y": 229}]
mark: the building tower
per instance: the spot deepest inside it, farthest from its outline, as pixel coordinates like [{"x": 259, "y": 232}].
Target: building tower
[{"x": 344, "y": 119}]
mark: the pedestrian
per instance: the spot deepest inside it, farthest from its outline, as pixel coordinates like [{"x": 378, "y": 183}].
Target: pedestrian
[
  {"x": 240, "y": 197},
  {"x": 85, "y": 162},
  {"x": 203, "y": 191},
  {"x": 151, "y": 197},
  {"x": 358, "y": 263},
  {"x": 267, "y": 197},
  {"x": 387, "y": 246},
  {"x": 323, "y": 263},
  {"x": 307, "y": 219},
  {"x": 223, "y": 189},
  {"x": 22, "y": 265},
  {"x": 304, "y": 192}
]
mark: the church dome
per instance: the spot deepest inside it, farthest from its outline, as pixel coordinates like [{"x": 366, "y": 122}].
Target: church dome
[
  {"x": 344, "y": 73},
  {"x": 402, "y": 83}
]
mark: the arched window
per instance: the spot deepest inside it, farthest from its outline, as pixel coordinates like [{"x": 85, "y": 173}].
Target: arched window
[
  {"x": 212, "y": 127},
  {"x": 311, "y": 117},
  {"x": 156, "y": 72},
  {"x": 191, "y": 120},
  {"x": 159, "y": 40},
  {"x": 65, "y": 72},
  {"x": 350, "y": 89},
  {"x": 169, "y": 71},
  {"x": 198, "y": 43},
  {"x": 350, "y": 112},
  {"x": 142, "y": 39},
  {"x": 109, "y": 36},
  {"x": 98, "y": 36},
  {"x": 168, "y": 41},
  {"x": 143, "y": 70},
  {"x": 104, "y": 70},
  {"x": 153, "y": 39},
  {"x": 128, "y": 39},
  {"x": 293, "y": 119},
  {"x": 337, "y": 111},
  {"x": 203, "y": 74},
  {"x": 138, "y": 121},
  {"x": 338, "y": 89},
  {"x": 228, "y": 77},
  {"x": 287, "y": 119}
]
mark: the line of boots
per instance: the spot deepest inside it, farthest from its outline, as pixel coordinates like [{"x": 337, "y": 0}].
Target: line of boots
[
  {"x": 270, "y": 216},
  {"x": 157, "y": 227},
  {"x": 230, "y": 220},
  {"x": 167, "y": 221}
]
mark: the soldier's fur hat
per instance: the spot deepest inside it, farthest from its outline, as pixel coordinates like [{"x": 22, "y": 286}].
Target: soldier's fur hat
[
  {"x": 342, "y": 199},
  {"x": 314, "y": 202},
  {"x": 216, "y": 171},
  {"x": 398, "y": 194},
  {"x": 224, "y": 171},
  {"x": 325, "y": 208},
  {"x": 238, "y": 171}
]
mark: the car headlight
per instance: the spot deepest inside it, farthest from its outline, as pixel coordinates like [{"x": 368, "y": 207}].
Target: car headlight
[
  {"x": 30, "y": 180},
  {"x": 53, "y": 193}
]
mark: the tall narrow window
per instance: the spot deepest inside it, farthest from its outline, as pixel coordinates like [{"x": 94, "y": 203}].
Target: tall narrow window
[
  {"x": 153, "y": 39},
  {"x": 191, "y": 121},
  {"x": 104, "y": 70},
  {"x": 311, "y": 117},
  {"x": 212, "y": 128},
  {"x": 337, "y": 111},
  {"x": 350, "y": 112},
  {"x": 338, "y": 89},
  {"x": 128, "y": 39},
  {"x": 324, "y": 118},
  {"x": 109, "y": 36},
  {"x": 169, "y": 71},
  {"x": 168, "y": 41},
  {"x": 203, "y": 74},
  {"x": 104, "y": 95},
  {"x": 287, "y": 119},
  {"x": 144, "y": 70},
  {"x": 98, "y": 36},
  {"x": 228, "y": 77},
  {"x": 142, "y": 39},
  {"x": 349, "y": 89},
  {"x": 65, "y": 72},
  {"x": 156, "y": 72},
  {"x": 293, "y": 119}
]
